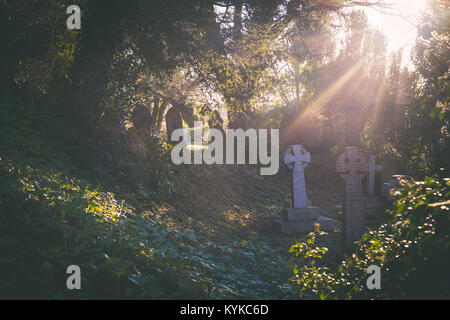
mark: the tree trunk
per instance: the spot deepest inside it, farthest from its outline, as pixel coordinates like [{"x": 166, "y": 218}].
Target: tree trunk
[{"x": 237, "y": 21}]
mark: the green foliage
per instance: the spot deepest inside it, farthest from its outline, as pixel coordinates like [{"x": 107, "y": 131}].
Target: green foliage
[
  {"x": 51, "y": 218},
  {"x": 411, "y": 124},
  {"x": 49, "y": 221},
  {"x": 412, "y": 249},
  {"x": 41, "y": 48},
  {"x": 66, "y": 222}
]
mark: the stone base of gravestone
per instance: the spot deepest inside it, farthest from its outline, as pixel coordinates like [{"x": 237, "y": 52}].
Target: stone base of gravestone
[
  {"x": 303, "y": 220},
  {"x": 306, "y": 213}
]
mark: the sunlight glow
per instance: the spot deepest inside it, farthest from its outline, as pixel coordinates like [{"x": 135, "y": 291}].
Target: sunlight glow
[
  {"x": 398, "y": 23},
  {"x": 316, "y": 106}
]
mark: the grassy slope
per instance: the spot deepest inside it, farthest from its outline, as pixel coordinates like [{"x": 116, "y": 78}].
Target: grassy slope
[{"x": 211, "y": 238}]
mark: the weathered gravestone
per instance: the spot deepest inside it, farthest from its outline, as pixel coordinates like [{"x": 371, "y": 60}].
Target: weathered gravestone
[
  {"x": 373, "y": 167},
  {"x": 139, "y": 134},
  {"x": 352, "y": 168},
  {"x": 372, "y": 202},
  {"x": 141, "y": 119},
  {"x": 300, "y": 218},
  {"x": 174, "y": 121}
]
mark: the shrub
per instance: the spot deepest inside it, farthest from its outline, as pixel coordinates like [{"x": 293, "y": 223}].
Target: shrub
[{"x": 412, "y": 249}]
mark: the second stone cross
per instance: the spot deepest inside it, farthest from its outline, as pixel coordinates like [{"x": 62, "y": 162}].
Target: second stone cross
[{"x": 353, "y": 167}]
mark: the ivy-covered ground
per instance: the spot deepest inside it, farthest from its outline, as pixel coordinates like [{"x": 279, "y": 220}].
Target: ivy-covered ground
[
  {"x": 144, "y": 228},
  {"x": 210, "y": 237}
]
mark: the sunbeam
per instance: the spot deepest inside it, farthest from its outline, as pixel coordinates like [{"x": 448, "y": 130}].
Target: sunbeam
[{"x": 315, "y": 107}]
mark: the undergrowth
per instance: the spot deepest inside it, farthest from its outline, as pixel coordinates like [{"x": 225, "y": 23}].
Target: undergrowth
[{"x": 52, "y": 216}]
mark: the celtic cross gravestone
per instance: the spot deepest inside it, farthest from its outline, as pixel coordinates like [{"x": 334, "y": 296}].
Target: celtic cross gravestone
[
  {"x": 352, "y": 167},
  {"x": 297, "y": 158},
  {"x": 301, "y": 218}
]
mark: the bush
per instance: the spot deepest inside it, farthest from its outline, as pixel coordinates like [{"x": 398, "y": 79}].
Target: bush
[{"x": 412, "y": 250}]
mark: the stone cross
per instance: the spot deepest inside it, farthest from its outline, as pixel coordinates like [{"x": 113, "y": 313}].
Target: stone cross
[
  {"x": 352, "y": 168},
  {"x": 297, "y": 158},
  {"x": 373, "y": 167}
]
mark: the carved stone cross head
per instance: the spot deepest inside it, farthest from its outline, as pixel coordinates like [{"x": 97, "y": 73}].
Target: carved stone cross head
[
  {"x": 296, "y": 157},
  {"x": 351, "y": 163}
]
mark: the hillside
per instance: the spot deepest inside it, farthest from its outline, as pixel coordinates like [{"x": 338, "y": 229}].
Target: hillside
[{"x": 210, "y": 237}]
